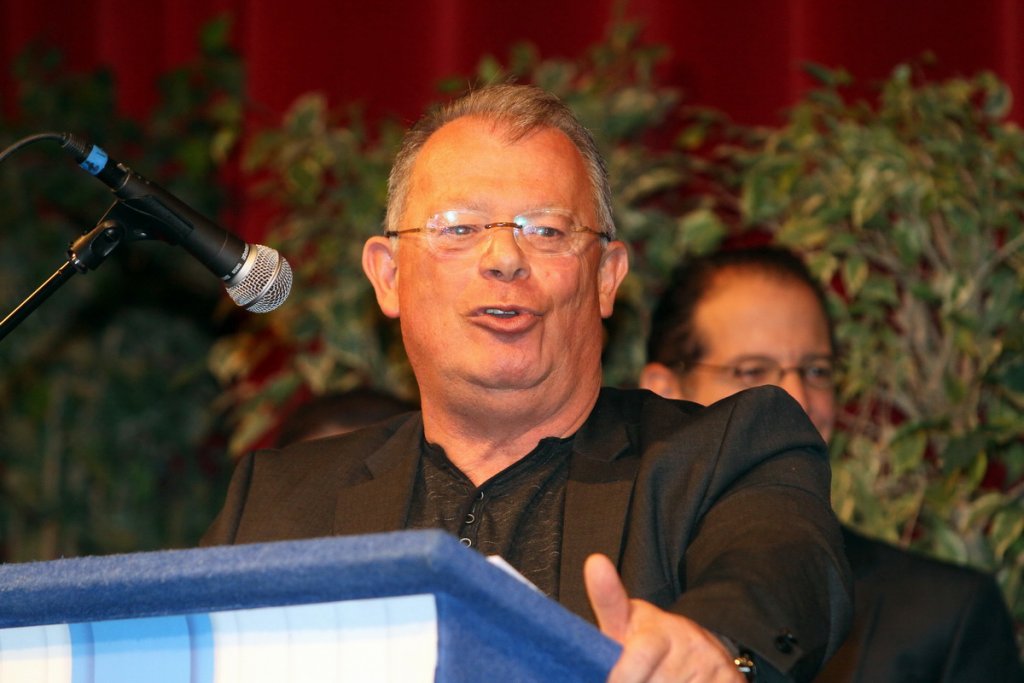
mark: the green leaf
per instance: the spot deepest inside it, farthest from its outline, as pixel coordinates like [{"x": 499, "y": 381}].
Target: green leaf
[
  {"x": 907, "y": 451},
  {"x": 489, "y": 70},
  {"x": 214, "y": 35},
  {"x": 962, "y": 451},
  {"x": 949, "y": 545},
  {"x": 826, "y": 76},
  {"x": 855, "y": 274},
  {"x": 701, "y": 231},
  {"x": 998, "y": 101},
  {"x": 803, "y": 233},
  {"x": 1007, "y": 529}
]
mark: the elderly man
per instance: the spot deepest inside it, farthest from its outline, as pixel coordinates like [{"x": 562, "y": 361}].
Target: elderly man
[{"x": 702, "y": 540}]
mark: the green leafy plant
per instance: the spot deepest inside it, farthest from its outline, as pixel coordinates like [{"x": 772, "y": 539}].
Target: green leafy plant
[
  {"x": 913, "y": 208},
  {"x": 107, "y": 410}
]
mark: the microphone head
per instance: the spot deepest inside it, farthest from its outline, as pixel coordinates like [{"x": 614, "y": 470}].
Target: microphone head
[{"x": 263, "y": 282}]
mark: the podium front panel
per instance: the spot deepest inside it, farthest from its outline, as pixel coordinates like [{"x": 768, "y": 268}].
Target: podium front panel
[{"x": 332, "y": 609}]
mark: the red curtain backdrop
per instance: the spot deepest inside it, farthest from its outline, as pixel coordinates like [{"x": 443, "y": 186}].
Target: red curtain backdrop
[{"x": 741, "y": 56}]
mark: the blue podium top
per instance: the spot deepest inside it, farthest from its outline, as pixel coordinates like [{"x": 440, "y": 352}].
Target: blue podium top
[{"x": 491, "y": 624}]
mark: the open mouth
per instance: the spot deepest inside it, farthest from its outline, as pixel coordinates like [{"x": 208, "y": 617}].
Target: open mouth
[{"x": 500, "y": 312}]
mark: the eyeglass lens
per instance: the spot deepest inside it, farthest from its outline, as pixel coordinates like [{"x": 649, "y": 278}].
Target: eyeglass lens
[
  {"x": 546, "y": 232},
  {"x": 817, "y": 373}
]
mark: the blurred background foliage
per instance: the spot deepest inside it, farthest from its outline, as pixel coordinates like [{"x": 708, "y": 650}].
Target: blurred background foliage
[
  {"x": 108, "y": 419},
  {"x": 914, "y": 210},
  {"x": 910, "y": 208}
]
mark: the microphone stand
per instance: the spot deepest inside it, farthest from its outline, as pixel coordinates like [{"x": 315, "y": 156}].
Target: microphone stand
[{"x": 84, "y": 254}]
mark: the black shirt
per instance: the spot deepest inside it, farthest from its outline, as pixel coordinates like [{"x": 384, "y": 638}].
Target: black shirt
[{"x": 516, "y": 514}]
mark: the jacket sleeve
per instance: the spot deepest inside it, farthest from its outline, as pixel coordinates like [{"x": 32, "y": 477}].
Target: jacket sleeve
[{"x": 764, "y": 565}]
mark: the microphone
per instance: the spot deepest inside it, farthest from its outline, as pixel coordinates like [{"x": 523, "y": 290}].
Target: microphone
[{"x": 256, "y": 277}]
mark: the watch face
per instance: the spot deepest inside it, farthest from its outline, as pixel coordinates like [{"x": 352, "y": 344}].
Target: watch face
[{"x": 745, "y": 665}]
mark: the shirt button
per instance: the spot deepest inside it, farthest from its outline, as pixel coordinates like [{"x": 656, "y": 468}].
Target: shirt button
[
  {"x": 470, "y": 518},
  {"x": 480, "y": 496},
  {"x": 466, "y": 542}
]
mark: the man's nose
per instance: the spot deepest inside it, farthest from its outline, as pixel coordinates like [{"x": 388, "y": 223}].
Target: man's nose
[
  {"x": 793, "y": 382},
  {"x": 502, "y": 257}
]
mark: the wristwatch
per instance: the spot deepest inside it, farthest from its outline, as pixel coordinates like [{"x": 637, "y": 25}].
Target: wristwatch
[{"x": 746, "y": 666}]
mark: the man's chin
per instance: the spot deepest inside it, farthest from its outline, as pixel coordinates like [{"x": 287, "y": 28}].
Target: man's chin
[
  {"x": 510, "y": 377},
  {"x": 510, "y": 381}
]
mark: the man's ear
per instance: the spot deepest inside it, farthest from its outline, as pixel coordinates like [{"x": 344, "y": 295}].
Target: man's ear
[
  {"x": 380, "y": 264},
  {"x": 661, "y": 380},
  {"x": 611, "y": 272}
]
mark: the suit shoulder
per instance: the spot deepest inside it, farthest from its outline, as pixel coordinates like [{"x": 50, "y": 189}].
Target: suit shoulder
[
  {"x": 947, "y": 621},
  {"x": 767, "y": 416},
  {"x": 770, "y": 403},
  {"x": 903, "y": 570},
  {"x": 768, "y": 408},
  {"x": 768, "y": 399},
  {"x": 370, "y": 436},
  {"x": 756, "y": 422},
  {"x": 634, "y": 405},
  {"x": 337, "y": 454}
]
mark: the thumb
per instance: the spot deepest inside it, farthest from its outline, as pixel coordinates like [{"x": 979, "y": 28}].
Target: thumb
[{"x": 607, "y": 596}]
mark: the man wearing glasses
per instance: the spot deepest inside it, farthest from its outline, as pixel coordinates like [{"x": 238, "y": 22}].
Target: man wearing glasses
[
  {"x": 747, "y": 317},
  {"x": 707, "y": 538}
]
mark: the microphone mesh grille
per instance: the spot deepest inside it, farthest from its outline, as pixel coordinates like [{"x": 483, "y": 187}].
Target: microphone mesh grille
[{"x": 266, "y": 285}]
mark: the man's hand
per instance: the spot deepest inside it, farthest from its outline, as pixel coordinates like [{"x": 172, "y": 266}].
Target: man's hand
[{"x": 656, "y": 645}]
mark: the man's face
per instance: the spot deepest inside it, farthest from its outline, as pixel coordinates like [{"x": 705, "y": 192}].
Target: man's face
[
  {"x": 497, "y": 317},
  {"x": 749, "y": 315}
]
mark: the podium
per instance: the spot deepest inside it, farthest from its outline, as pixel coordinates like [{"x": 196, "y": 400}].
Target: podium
[{"x": 400, "y": 606}]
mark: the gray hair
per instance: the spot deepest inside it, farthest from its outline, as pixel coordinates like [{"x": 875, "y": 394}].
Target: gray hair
[{"x": 521, "y": 109}]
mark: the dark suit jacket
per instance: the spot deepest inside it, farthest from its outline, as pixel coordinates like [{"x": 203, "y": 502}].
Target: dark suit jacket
[
  {"x": 720, "y": 514},
  {"x": 918, "y": 619}
]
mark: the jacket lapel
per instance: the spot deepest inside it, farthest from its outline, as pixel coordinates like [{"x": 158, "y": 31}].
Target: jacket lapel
[
  {"x": 597, "y": 497},
  {"x": 382, "y": 503}
]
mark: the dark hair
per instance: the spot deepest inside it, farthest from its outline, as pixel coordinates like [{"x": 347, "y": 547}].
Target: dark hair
[
  {"x": 673, "y": 339},
  {"x": 340, "y": 412}
]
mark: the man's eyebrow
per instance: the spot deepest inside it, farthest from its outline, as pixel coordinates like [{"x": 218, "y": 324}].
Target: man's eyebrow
[{"x": 773, "y": 359}]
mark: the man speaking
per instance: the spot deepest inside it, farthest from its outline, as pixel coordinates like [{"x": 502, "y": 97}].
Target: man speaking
[{"x": 700, "y": 539}]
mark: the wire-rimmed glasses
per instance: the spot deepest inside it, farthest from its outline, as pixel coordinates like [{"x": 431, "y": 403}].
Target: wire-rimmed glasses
[
  {"x": 818, "y": 372},
  {"x": 551, "y": 232}
]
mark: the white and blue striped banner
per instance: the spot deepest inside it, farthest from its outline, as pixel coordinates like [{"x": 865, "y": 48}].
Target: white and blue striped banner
[{"x": 390, "y": 639}]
